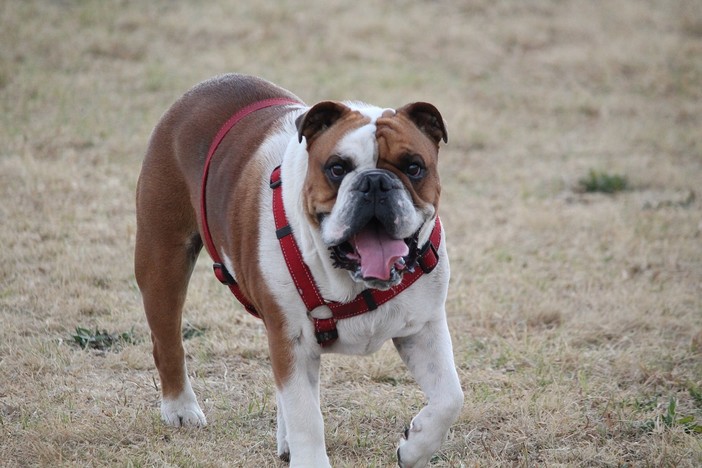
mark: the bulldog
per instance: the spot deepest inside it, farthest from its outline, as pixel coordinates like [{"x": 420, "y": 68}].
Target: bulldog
[{"x": 323, "y": 221}]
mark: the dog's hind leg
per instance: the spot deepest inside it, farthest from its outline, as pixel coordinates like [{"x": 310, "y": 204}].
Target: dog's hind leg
[
  {"x": 429, "y": 356},
  {"x": 167, "y": 245}
]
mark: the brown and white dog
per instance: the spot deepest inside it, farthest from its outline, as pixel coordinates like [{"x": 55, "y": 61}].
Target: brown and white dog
[{"x": 360, "y": 193}]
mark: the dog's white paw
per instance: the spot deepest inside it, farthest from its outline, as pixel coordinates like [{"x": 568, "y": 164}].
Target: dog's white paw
[
  {"x": 183, "y": 411},
  {"x": 412, "y": 452}
]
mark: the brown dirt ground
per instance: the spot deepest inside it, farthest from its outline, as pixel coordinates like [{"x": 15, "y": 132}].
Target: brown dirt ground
[{"x": 576, "y": 317}]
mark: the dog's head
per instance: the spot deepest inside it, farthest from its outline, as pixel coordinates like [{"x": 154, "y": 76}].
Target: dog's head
[{"x": 372, "y": 183}]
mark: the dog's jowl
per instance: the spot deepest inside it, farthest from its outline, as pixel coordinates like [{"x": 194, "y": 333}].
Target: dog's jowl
[{"x": 323, "y": 221}]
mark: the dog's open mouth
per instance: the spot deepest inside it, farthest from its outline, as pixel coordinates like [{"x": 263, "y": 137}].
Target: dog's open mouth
[{"x": 372, "y": 255}]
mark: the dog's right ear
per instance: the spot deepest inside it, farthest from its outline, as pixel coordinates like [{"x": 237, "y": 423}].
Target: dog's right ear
[{"x": 319, "y": 118}]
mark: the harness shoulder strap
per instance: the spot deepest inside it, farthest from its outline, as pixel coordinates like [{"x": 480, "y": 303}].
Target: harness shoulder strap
[
  {"x": 300, "y": 272},
  {"x": 220, "y": 270}
]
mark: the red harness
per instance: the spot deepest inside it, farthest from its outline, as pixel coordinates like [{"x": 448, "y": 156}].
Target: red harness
[{"x": 370, "y": 299}]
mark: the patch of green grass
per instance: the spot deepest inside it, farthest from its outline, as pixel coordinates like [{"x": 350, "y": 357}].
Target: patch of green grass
[
  {"x": 597, "y": 181},
  {"x": 191, "y": 331},
  {"x": 101, "y": 340},
  {"x": 696, "y": 394},
  {"x": 671, "y": 418},
  {"x": 258, "y": 405}
]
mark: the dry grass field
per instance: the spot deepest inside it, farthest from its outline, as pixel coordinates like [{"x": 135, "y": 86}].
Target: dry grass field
[{"x": 576, "y": 316}]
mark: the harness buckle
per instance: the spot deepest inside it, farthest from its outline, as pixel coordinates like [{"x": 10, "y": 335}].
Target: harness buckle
[
  {"x": 276, "y": 181},
  {"x": 428, "y": 258},
  {"x": 369, "y": 299},
  {"x": 325, "y": 331}
]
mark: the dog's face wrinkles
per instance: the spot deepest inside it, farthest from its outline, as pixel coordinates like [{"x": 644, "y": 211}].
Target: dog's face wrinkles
[{"x": 372, "y": 184}]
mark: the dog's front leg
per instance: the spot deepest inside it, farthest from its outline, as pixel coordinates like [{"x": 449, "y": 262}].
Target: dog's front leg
[
  {"x": 300, "y": 425},
  {"x": 429, "y": 356}
]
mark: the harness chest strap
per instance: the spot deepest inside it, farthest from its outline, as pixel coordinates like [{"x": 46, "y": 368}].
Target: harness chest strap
[{"x": 370, "y": 299}]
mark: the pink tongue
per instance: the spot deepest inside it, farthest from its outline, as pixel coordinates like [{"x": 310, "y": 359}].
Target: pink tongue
[{"x": 378, "y": 252}]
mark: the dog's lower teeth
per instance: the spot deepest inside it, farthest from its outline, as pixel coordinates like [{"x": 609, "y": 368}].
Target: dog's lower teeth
[
  {"x": 394, "y": 275},
  {"x": 357, "y": 275}
]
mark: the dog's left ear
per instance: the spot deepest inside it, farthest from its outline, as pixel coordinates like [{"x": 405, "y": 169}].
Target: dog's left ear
[
  {"x": 319, "y": 118},
  {"x": 428, "y": 119}
]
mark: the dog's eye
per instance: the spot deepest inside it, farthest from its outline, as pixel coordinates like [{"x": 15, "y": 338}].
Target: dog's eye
[
  {"x": 414, "y": 171},
  {"x": 337, "y": 171}
]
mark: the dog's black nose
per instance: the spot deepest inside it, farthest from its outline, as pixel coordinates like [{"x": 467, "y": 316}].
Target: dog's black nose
[{"x": 376, "y": 184}]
